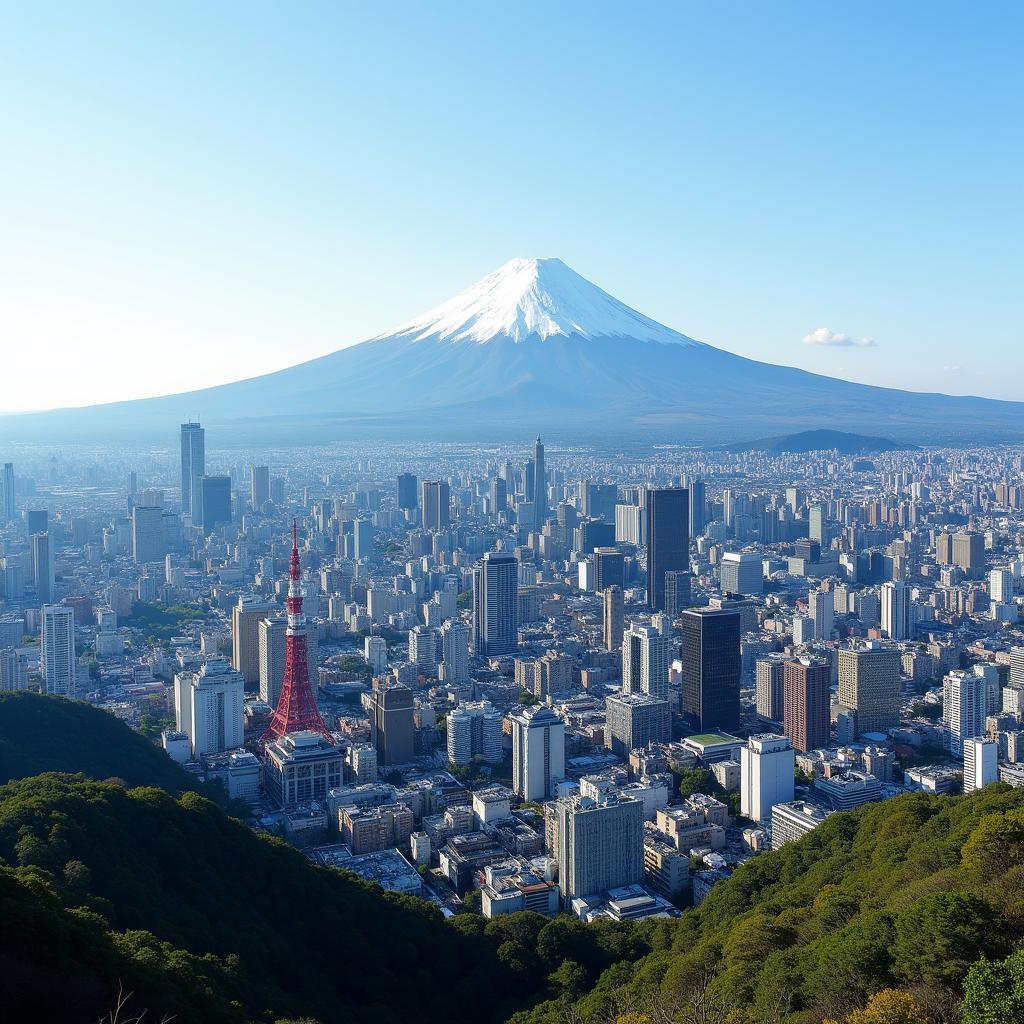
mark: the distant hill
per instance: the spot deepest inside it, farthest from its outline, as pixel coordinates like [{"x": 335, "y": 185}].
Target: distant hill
[{"x": 821, "y": 441}]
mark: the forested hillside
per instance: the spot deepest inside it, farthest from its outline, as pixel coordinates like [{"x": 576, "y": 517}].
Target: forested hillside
[
  {"x": 47, "y": 734},
  {"x": 906, "y": 895}
]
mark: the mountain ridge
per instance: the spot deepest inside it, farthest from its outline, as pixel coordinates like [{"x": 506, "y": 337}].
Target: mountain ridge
[{"x": 526, "y": 349}]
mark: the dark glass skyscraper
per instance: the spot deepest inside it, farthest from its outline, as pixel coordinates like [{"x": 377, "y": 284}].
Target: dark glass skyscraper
[
  {"x": 407, "y": 498},
  {"x": 495, "y": 596},
  {"x": 216, "y": 501},
  {"x": 668, "y": 539},
  {"x": 711, "y": 668},
  {"x": 696, "y": 492}
]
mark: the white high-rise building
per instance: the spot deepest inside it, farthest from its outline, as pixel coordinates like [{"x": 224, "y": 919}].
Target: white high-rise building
[
  {"x": 375, "y": 650},
  {"x": 474, "y": 730},
  {"x": 897, "y": 611},
  {"x": 423, "y": 643},
  {"x": 208, "y": 706},
  {"x": 821, "y": 606},
  {"x": 272, "y": 657},
  {"x": 57, "y": 650},
  {"x": 981, "y": 762},
  {"x": 600, "y": 844},
  {"x": 1001, "y": 588},
  {"x": 455, "y": 652},
  {"x": 803, "y": 629},
  {"x": 645, "y": 659},
  {"x": 964, "y": 707},
  {"x": 538, "y": 752},
  {"x": 742, "y": 572},
  {"x": 766, "y": 775}
]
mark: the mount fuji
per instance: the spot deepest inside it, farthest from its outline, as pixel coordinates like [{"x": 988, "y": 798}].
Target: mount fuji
[{"x": 532, "y": 346}]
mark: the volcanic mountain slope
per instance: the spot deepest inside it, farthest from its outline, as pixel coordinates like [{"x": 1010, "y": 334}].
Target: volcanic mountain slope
[{"x": 532, "y": 346}]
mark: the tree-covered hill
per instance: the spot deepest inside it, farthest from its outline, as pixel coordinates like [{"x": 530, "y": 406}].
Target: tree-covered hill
[
  {"x": 202, "y": 918},
  {"x": 904, "y": 895},
  {"x": 51, "y": 734}
]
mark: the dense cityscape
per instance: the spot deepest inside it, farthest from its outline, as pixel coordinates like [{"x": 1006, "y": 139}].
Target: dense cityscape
[
  {"x": 518, "y": 677},
  {"x": 511, "y": 513}
]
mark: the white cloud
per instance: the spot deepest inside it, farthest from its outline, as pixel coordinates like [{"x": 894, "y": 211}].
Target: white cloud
[{"x": 832, "y": 339}]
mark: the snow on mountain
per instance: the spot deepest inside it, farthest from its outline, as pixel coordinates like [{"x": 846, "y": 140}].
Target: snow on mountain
[{"x": 534, "y": 298}]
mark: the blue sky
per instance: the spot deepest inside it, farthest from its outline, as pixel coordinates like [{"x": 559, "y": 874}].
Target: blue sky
[{"x": 194, "y": 193}]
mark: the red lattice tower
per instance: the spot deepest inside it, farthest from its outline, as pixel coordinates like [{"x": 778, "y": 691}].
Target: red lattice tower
[{"x": 296, "y": 707}]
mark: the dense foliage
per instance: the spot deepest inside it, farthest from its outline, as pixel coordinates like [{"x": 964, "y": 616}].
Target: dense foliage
[
  {"x": 101, "y": 886},
  {"x": 50, "y": 734},
  {"x": 162, "y": 621},
  {"x": 876, "y": 916}
]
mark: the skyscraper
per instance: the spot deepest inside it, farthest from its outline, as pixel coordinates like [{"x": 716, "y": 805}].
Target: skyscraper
[
  {"x": 897, "y": 611},
  {"x": 540, "y": 485},
  {"x": 600, "y": 844},
  {"x": 645, "y": 658},
  {"x": 7, "y": 507},
  {"x": 216, "y": 502},
  {"x": 538, "y": 752},
  {"x": 259, "y": 485},
  {"x": 964, "y": 707},
  {"x": 678, "y": 592},
  {"x": 742, "y": 573},
  {"x": 455, "y": 652},
  {"x": 495, "y": 591},
  {"x": 394, "y": 729},
  {"x": 634, "y": 720},
  {"x": 208, "y": 706},
  {"x": 598, "y": 500},
  {"x": 969, "y": 553},
  {"x": 57, "y": 650},
  {"x": 193, "y": 469},
  {"x": 436, "y": 505},
  {"x": 806, "y": 702},
  {"x": 711, "y": 668},
  {"x": 770, "y": 683},
  {"x": 246, "y": 617},
  {"x": 272, "y": 647},
  {"x": 668, "y": 540},
  {"x": 614, "y": 618},
  {"x": 42, "y": 567},
  {"x": 981, "y": 763},
  {"x": 609, "y": 568},
  {"x": 375, "y": 651},
  {"x": 695, "y": 489},
  {"x": 407, "y": 499},
  {"x": 821, "y": 605},
  {"x": 148, "y": 534},
  {"x": 817, "y": 528},
  {"x": 869, "y": 683},
  {"x": 766, "y": 775}
]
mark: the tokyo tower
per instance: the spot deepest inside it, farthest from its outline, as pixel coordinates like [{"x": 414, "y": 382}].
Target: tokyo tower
[{"x": 296, "y": 707}]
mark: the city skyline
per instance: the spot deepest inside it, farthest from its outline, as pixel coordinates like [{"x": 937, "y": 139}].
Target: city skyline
[{"x": 512, "y": 513}]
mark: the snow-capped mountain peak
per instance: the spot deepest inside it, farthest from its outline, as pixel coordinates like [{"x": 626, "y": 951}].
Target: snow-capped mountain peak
[{"x": 534, "y": 298}]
